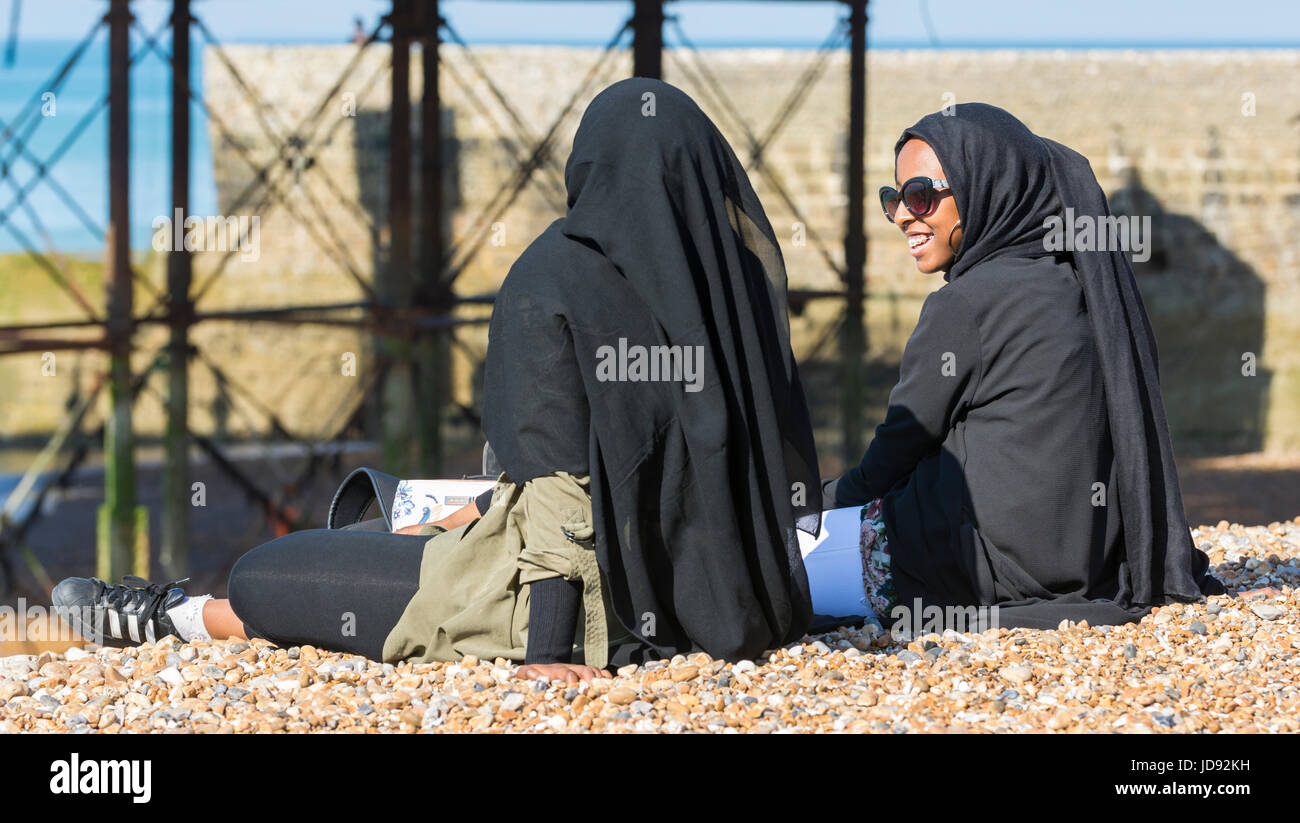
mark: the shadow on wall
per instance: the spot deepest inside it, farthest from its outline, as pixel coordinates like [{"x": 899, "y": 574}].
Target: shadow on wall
[{"x": 1207, "y": 311}]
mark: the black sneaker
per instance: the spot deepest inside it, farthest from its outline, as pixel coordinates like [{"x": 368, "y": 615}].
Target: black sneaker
[{"x": 133, "y": 612}]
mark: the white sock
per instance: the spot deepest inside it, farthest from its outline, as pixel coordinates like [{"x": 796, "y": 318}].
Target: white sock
[{"x": 187, "y": 617}]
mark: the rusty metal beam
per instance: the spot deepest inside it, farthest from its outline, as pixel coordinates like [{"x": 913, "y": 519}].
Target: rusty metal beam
[
  {"x": 174, "y": 556},
  {"x": 433, "y": 295},
  {"x": 27, "y": 345},
  {"x": 853, "y": 334},
  {"x": 647, "y": 38},
  {"x": 394, "y": 288},
  {"x": 117, "y": 532}
]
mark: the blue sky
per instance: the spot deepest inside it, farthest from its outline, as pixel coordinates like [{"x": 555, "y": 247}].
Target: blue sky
[{"x": 893, "y": 22}]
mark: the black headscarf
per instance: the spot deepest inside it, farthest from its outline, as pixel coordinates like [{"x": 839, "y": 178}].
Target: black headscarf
[
  {"x": 696, "y": 490},
  {"x": 1007, "y": 182}
]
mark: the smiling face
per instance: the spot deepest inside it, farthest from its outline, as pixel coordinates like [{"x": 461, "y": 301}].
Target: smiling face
[{"x": 933, "y": 238}]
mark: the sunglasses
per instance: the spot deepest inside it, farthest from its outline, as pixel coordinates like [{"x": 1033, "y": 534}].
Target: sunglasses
[{"x": 917, "y": 194}]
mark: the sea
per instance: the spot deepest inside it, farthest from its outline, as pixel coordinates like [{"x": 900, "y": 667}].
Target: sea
[{"x": 41, "y": 124}]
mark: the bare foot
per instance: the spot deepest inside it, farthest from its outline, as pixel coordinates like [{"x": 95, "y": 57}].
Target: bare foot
[{"x": 567, "y": 672}]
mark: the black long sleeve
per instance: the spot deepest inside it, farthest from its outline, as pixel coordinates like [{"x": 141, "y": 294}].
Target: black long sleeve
[
  {"x": 552, "y": 619},
  {"x": 940, "y": 367}
]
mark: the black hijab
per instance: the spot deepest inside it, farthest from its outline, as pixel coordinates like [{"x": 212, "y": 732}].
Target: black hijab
[
  {"x": 696, "y": 489},
  {"x": 1007, "y": 182}
]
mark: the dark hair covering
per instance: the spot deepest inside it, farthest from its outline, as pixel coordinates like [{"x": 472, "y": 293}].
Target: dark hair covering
[
  {"x": 1007, "y": 182},
  {"x": 696, "y": 494}
]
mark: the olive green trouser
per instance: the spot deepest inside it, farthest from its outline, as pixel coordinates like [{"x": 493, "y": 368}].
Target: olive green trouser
[{"x": 474, "y": 580}]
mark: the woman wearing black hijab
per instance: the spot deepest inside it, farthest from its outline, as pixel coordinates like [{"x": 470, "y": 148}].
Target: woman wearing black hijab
[
  {"x": 643, "y": 402},
  {"x": 696, "y": 486},
  {"x": 1024, "y": 460}
]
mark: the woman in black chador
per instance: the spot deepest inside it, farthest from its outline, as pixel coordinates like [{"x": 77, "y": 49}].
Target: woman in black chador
[
  {"x": 641, "y": 397},
  {"x": 1024, "y": 460}
]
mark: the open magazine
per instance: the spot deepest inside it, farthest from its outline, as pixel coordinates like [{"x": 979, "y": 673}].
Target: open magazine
[
  {"x": 424, "y": 501},
  {"x": 832, "y": 560}
]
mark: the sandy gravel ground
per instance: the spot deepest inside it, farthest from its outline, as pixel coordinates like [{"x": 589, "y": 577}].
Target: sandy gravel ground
[{"x": 1226, "y": 665}]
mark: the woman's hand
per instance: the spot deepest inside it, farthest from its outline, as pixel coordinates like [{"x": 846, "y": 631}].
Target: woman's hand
[{"x": 568, "y": 672}]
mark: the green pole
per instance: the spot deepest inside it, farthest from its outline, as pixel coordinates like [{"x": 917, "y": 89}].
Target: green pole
[{"x": 118, "y": 534}]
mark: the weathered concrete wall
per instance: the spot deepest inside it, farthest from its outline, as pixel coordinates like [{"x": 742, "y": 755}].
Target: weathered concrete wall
[{"x": 1205, "y": 142}]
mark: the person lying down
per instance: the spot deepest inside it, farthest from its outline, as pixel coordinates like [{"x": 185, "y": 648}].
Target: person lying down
[{"x": 635, "y": 518}]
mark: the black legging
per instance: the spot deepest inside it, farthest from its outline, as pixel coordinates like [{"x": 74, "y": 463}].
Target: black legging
[{"x": 337, "y": 589}]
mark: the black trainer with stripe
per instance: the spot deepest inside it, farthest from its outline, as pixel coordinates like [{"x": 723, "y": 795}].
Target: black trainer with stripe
[{"x": 132, "y": 612}]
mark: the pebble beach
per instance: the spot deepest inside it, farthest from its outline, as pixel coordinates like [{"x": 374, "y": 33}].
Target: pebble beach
[{"x": 1226, "y": 665}]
